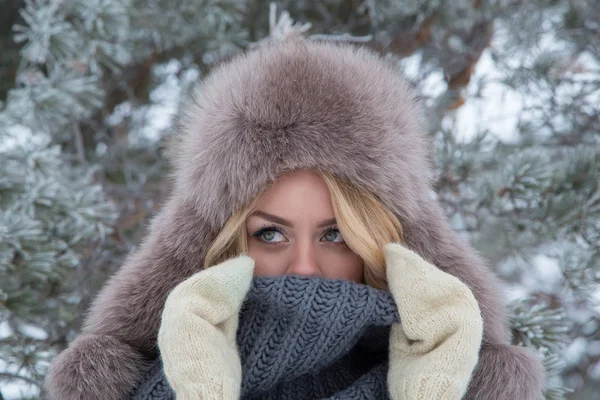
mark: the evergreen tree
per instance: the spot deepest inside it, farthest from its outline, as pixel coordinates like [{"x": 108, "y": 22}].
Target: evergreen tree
[{"x": 88, "y": 89}]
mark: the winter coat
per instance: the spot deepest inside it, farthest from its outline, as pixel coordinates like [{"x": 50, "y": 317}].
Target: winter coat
[{"x": 286, "y": 105}]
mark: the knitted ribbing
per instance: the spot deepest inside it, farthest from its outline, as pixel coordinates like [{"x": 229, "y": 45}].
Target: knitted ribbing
[
  {"x": 434, "y": 352},
  {"x": 198, "y": 331},
  {"x": 306, "y": 338}
]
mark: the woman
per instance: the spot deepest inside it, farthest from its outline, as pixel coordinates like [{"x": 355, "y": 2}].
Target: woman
[
  {"x": 315, "y": 337},
  {"x": 286, "y": 106}
]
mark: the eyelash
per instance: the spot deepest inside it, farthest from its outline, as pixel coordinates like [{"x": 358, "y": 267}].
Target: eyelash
[{"x": 265, "y": 228}]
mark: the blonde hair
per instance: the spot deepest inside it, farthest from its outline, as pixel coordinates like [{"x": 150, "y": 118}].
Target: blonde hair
[{"x": 364, "y": 222}]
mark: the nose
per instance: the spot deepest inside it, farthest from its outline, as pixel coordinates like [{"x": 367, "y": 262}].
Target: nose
[{"x": 304, "y": 259}]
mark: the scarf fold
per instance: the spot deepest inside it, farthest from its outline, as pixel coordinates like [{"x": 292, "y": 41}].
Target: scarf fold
[{"x": 306, "y": 338}]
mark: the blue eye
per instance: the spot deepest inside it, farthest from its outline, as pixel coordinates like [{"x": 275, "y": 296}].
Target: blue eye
[
  {"x": 339, "y": 234},
  {"x": 271, "y": 231}
]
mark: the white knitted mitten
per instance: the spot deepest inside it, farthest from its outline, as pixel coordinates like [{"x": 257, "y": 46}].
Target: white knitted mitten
[
  {"x": 197, "y": 335},
  {"x": 435, "y": 348}
]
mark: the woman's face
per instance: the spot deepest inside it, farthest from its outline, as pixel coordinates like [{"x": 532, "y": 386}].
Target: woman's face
[{"x": 294, "y": 232}]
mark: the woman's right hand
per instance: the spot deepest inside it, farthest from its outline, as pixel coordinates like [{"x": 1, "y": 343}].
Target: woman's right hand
[{"x": 197, "y": 335}]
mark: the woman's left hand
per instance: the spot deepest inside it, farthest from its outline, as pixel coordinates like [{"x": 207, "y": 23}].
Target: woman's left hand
[{"x": 435, "y": 347}]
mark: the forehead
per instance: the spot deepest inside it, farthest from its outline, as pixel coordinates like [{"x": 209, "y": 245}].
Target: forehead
[{"x": 298, "y": 195}]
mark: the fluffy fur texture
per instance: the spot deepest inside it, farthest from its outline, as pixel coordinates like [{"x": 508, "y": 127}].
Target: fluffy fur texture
[
  {"x": 506, "y": 372},
  {"x": 287, "y": 105},
  {"x": 74, "y": 375}
]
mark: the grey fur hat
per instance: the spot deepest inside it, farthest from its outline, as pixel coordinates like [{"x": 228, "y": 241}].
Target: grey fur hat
[{"x": 291, "y": 104}]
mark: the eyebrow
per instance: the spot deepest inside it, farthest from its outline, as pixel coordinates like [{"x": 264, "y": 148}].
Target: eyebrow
[{"x": 283, "y": 221}]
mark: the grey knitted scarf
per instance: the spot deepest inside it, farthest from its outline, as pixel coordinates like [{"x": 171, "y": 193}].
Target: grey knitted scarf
[{"x": 306, "y": 338}]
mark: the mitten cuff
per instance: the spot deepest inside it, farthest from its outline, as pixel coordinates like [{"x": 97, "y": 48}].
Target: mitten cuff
[
  {"x": 212, "y": 388},
  {"x": 432, "y": 387}
]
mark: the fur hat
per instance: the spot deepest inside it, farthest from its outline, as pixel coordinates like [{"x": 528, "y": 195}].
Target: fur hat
[{"x": 291, "y": 104}]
